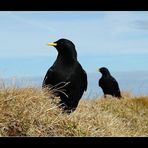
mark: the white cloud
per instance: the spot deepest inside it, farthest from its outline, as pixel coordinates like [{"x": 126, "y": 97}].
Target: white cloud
[{"x": 114, "y": 32}]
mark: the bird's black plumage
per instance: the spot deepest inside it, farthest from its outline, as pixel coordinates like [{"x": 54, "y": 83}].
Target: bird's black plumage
[
  {"x": 67, "y": 69},
  {"x": 108, "y": 83}
]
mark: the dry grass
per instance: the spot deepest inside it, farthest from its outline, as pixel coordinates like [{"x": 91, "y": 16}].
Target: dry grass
[{"x": 32, "y": 112}]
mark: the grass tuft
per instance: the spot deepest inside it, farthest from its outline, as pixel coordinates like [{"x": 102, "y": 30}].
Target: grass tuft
[{"x": 33, "y": 112}]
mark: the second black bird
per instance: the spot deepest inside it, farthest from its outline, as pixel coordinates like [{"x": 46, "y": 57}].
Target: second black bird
[
  {"x": 108, "y": 83},
  {"x": 67, "y": 71}
]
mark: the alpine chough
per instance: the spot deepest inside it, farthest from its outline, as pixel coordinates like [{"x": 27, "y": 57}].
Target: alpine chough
[
  {"x": 108, "y": 83},
  {"x": 68, "y": 74}
]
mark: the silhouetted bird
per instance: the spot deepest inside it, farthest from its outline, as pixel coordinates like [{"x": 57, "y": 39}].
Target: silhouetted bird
[
  {"x": 108, "y": 83},
  {"x": 67, "y": 71}
]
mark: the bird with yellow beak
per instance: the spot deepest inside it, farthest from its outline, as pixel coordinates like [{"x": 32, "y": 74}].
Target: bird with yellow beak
[{"x": 66, "y": 74}]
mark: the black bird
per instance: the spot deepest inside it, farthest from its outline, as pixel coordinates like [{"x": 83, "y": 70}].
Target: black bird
[
  {"x": 108, "y": 83},
  {"x": 67, "y": 71}
]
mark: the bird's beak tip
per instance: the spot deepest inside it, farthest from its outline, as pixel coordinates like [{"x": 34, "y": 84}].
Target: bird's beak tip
[
  {"x": 52, "y": 44},
  {"x": 98, "y": 69}
]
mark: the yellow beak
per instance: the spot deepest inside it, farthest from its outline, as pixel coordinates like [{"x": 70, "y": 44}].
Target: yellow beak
[
  {"x": 98, "y": 69},
  {"x": 52, "y": 44}
]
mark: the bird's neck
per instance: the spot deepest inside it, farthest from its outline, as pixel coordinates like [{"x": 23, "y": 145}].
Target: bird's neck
[
  {"x": 66, "y": 59},
  {"x": 106, "y": 74}
]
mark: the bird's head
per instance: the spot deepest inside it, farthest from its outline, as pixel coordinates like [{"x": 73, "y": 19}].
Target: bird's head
[
  {"x": 64, "y": 47},
  {"x": 104, "y": 71}
]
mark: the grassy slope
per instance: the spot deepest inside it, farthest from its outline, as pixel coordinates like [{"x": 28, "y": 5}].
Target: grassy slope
[{"x": 31, "y": 112}]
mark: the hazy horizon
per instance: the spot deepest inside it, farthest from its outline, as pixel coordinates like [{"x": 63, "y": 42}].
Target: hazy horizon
[{"x": 128, "y": 81}]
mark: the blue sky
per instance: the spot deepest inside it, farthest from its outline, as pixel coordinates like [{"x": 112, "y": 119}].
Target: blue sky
[{"x": 115, "y": 39}]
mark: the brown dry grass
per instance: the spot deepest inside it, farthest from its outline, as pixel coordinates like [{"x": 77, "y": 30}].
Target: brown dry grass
[{"x": 32, "y": 112}]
